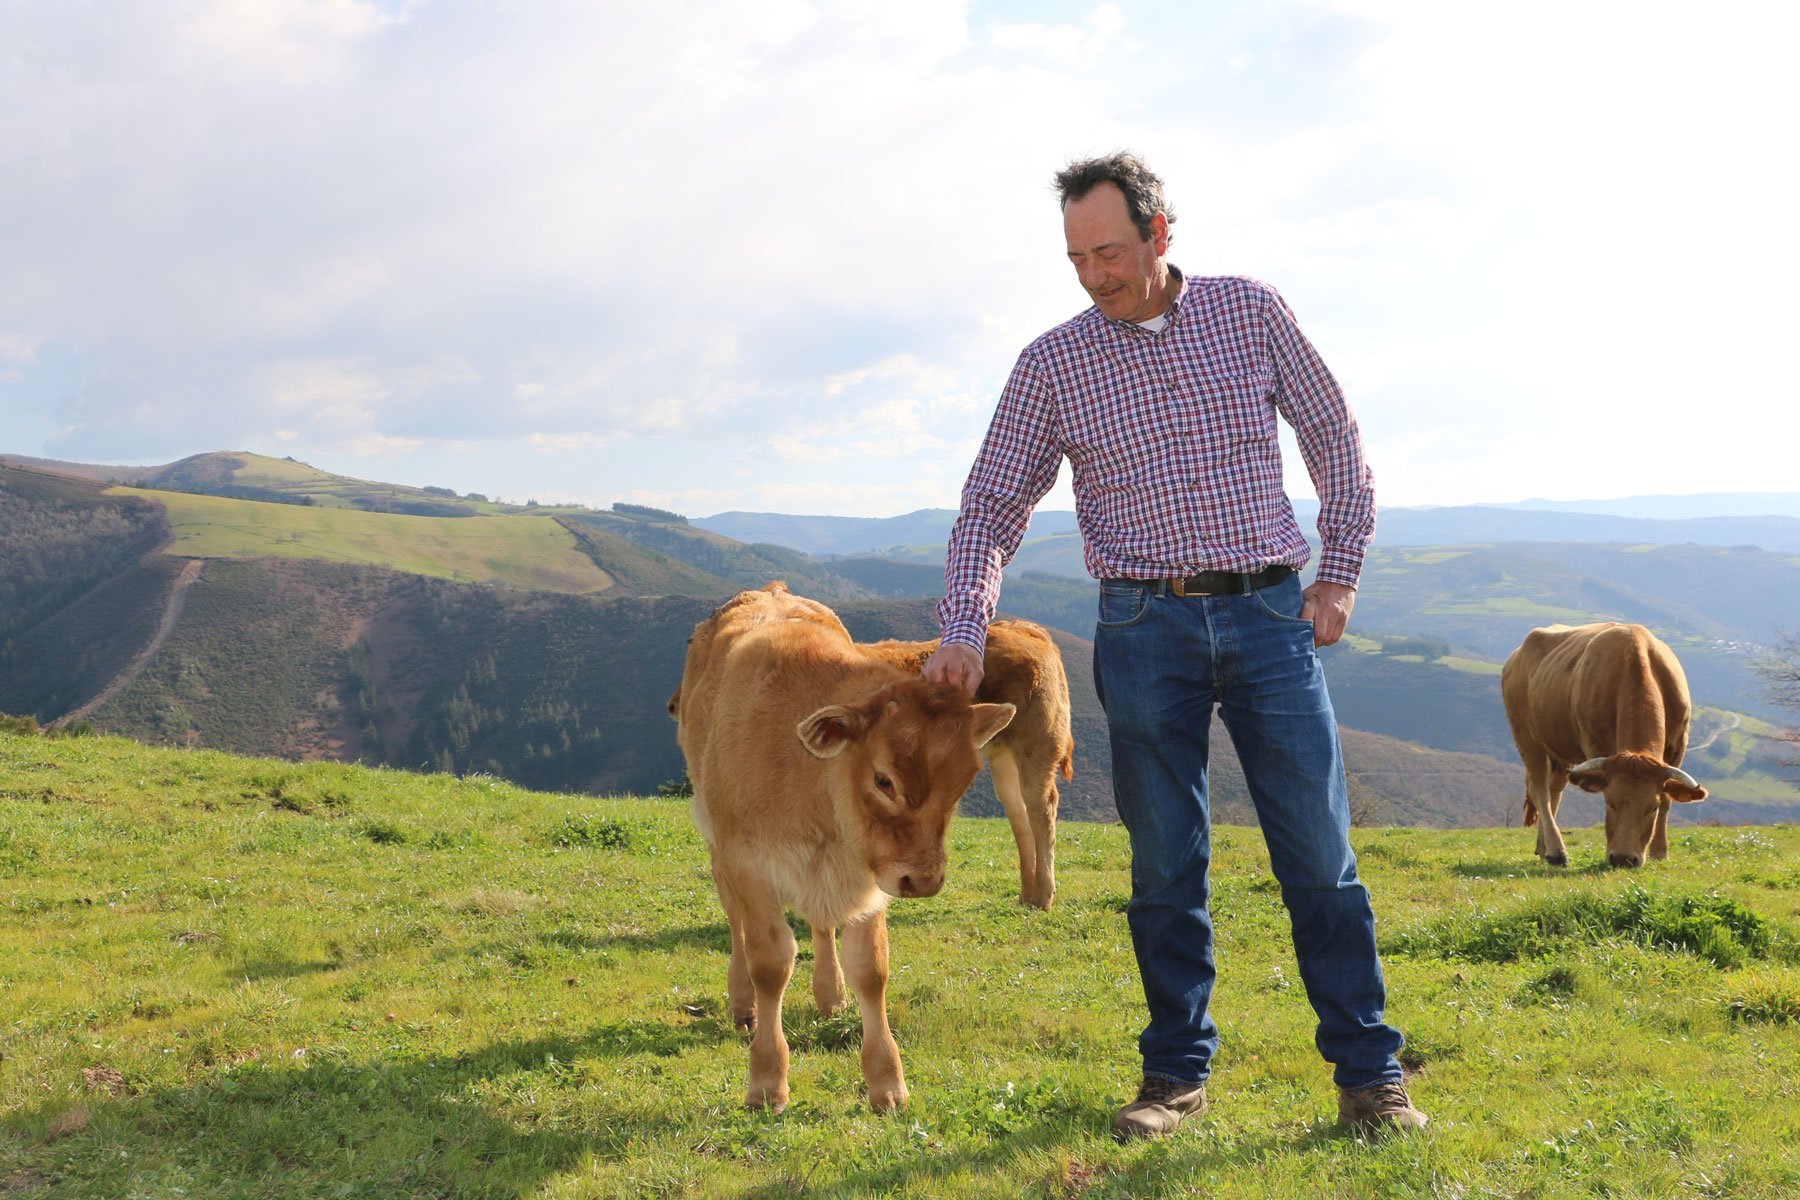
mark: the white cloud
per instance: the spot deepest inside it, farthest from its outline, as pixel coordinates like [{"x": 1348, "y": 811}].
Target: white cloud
[
  {"x": 1105, "y": 29},
  {"x": 19, "y": 347},
  {"x": 602, "y": 244}
]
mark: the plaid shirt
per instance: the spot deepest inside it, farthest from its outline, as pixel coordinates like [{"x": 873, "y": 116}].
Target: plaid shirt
[{"x": 1172, "y": 441}]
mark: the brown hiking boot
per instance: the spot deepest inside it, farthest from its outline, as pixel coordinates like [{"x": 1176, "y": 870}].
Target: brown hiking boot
[
  {"x": 1158, "y": 1109},
  {"x": 1376, "y": 1109}
]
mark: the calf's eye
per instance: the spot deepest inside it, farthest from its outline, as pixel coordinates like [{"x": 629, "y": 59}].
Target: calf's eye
[{"x": 885, "y": 784}]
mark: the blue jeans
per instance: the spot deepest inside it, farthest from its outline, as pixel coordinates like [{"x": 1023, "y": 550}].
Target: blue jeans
[{"x": 1161, "y": 663}]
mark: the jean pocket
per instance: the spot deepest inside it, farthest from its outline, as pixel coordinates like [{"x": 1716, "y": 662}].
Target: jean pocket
[
  {"x": 1120, "y": 607},
  {"x": 1275, "y": 601}
]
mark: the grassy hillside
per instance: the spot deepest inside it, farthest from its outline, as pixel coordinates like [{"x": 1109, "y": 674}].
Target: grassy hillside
[
  {"x": 299, "y": 641},
  {"x": 738, "y": 564},
  {"x": 284, "y": 480},
  {"x": 231, "y": 977},
  {"x": 524, "y": 551},
  {"x": 638, "y": 570}
]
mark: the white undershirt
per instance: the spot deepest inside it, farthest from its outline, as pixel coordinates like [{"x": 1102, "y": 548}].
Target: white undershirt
[{"x": 1154, "y": 324}]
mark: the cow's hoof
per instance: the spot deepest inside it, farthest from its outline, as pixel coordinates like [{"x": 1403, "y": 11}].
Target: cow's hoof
[
  {"x": 1556, "y": 860},
  {"x": 745, "y": 1024},
  {"x": 888, "y": 1099},
  {"x": 773, "y": 1099}
]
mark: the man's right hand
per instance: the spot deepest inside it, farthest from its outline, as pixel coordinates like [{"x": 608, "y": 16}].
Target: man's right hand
[{"x": 955, "y": 665}]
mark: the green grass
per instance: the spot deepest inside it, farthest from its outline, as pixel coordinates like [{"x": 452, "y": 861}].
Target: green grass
[
  {"x": 1472, "y": 666},
  {"x": 229, "y": 977},
  {"x": 526, "y": 551},
  {"x": 1510, "y": 606},
  {"x": 322, "y": 488}
]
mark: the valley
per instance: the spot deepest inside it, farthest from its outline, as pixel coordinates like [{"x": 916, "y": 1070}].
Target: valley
[{"x": 262, "y": 607}]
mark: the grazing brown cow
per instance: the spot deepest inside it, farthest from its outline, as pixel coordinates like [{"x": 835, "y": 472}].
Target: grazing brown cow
[
  {"x": 823, "y": 779},
  {"x": 1611, "y": 700}
]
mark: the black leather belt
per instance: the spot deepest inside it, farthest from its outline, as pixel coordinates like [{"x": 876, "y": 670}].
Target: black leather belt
[{"x": 1217, "y": 583}]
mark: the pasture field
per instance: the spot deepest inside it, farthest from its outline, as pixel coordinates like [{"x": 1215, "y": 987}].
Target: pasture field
[
  {"x": 526, "y": 551},
  {"x": 298, "y": 479},
  {"x": 230, "y": 977}
]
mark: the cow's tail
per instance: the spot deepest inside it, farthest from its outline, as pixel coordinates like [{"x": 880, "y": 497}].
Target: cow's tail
[{"x": 1530, "y": 812}]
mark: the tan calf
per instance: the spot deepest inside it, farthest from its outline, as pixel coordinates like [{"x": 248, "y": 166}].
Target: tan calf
[
  {"x": 824, "y": 780},
  {"x": 1604, "y": 707}
]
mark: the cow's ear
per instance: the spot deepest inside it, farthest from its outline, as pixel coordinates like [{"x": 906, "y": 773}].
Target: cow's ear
[
  {"x": 1589, "y": 781},
  {"x": 989, "y": 720},
  {"x": 828, "y": 731},
  {"x": 1676, "y": 790}
]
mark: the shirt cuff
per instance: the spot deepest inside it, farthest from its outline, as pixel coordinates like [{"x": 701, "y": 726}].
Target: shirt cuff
[
  {"x": 1337, "y": 566},
  {"x": 966, "y": 628}
]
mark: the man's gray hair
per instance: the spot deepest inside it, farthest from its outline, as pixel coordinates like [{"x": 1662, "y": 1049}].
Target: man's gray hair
[{"x": 1143, "y": 188}]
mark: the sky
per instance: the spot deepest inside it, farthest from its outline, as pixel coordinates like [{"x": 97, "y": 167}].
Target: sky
[{"x": 772, "y": 255}]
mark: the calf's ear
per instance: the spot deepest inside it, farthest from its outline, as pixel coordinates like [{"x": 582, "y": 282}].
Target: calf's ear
[
  {"x": 989, "y": 720},
  {"x": 828, "y": 731}
]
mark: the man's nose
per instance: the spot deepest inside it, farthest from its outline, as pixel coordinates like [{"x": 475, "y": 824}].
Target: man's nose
[{"x": 1092, "y": 276}]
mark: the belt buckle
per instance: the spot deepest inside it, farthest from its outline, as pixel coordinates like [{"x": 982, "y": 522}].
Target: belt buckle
[{"x": 1179, "y": 587}]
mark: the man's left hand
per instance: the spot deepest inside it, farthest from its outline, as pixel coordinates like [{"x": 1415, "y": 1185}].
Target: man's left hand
[{"x": 1328, "y": 607}]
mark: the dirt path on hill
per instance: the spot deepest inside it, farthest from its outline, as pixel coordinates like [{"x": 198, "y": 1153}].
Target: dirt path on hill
[
  {"x": 1714, "y": 735},
  {"x": 171, "y": 614}
]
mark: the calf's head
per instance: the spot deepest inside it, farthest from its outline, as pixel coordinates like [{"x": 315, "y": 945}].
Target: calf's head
[
  {"x": 1637, "y": 787},
  {"x": 896, "y": 762}
]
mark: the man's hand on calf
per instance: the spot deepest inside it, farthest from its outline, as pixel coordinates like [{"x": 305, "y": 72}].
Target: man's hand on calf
[{"x": 956, "y": 665}]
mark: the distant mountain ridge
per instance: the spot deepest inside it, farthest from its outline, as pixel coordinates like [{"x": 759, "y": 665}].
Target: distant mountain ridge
[
  {"x": 1672, "y": 507},
  {"x": 859, "y": 535},
  {"x": 1713, "y": 521}
]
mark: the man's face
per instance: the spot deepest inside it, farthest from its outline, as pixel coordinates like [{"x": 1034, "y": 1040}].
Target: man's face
[{"x": 1124, "y": 274}]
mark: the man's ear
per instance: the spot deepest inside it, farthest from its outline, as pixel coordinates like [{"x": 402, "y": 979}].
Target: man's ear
[
  {"x": 989, "y": 720},
  {"x": 1159, "y": 233},
  {"x": 829, "y": 730}
]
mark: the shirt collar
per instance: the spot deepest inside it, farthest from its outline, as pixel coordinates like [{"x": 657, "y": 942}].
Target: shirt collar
[{"x": 1173, "y": 313}]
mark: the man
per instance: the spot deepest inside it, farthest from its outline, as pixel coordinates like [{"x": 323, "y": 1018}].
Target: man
[{"x": 1163, "y": 396}]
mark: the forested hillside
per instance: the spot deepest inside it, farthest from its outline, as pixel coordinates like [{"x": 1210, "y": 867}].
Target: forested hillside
[
  {"x": 62, "y": 537},
  {"x": 319, "y": 627}
]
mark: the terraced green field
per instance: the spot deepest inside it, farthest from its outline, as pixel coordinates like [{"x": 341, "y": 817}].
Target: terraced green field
[{"x": 525, "y": 551}]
